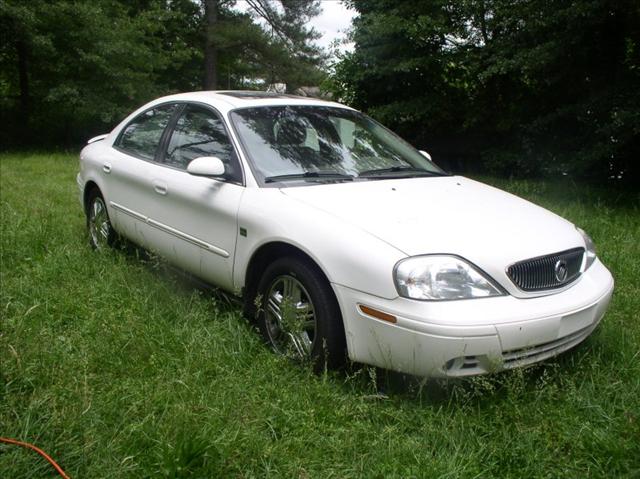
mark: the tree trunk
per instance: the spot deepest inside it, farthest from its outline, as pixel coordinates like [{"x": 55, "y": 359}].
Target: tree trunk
[
  {"x": 210, "y": 48},
  {"x": 23, "y": 79}
]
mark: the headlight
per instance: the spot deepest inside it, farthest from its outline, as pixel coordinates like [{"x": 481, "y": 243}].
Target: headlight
[
  {"x": 441, "y": 277},
  {"x": 590, "y": 246}
]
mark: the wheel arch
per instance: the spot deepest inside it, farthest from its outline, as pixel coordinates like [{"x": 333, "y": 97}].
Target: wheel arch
[
  {"x": 89, "y": 187},
  {"x": 263, "y": 256}
]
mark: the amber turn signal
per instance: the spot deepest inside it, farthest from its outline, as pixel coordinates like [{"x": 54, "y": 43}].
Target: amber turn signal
[{"x": 377, "y": 314}]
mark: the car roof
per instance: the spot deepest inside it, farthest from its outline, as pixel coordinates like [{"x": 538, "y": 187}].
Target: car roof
[{"x": 226, "y": 100}]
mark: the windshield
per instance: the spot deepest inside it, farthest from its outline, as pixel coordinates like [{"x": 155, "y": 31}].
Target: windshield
[{"x": 318, "y": 143}]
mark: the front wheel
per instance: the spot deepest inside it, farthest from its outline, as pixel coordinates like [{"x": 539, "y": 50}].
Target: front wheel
[
  {"x": 101, "y": 233},
  {"x": 299, "y": 316}
]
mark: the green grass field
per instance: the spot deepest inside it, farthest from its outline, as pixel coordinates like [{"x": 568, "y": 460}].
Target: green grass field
[{"x": 118, "y": 367}]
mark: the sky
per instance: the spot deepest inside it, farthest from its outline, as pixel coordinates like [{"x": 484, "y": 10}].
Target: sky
[{"x": 331, "y": 23}]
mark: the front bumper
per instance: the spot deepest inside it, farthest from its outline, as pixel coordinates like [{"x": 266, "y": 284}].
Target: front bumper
[{"x": 477, "y": 336}]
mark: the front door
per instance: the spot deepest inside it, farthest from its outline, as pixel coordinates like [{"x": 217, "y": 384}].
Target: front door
[{"x": 200, "y": 214}]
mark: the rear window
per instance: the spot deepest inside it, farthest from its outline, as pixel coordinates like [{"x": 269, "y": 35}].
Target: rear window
[{"x": 142, "y": 135}]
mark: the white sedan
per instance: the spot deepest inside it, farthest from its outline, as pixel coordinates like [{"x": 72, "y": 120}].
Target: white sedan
[{"x": 343, "y": 240}]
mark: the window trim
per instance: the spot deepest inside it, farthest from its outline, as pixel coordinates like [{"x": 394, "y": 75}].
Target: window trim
[
  {"x": 158, "y": 158},
  {"x": 165, "y": 140},
  {"x": 166, "y": 135},
  {"x": 122, "y": 130}
]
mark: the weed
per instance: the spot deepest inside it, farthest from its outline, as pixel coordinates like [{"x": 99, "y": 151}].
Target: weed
[{"x": 119, "y": 367}]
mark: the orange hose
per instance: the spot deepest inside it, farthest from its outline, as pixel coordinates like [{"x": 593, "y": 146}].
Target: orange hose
[{"x": 39, "y": 451}]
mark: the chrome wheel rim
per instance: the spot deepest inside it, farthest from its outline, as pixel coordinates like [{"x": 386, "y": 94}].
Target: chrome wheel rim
[
  {"x": 99, "y": 226},
  {"x": 290, "y": 317}
]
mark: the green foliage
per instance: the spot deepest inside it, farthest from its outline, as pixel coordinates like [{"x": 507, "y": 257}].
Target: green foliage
[
  {"x": 527, "y": 87},
  {"x": 72, "y": 69},
  {"x": 118, "y": 367},
  {"x": 267, "y": 45},
  {"x": 83, "y": 62}
]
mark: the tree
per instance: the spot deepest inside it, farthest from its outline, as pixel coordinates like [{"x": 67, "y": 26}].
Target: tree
[
  {"x": 210, "y": 47},
  {"x": 280, "y": 51},
  {"x": 70, "y": 70},
  {"x": 402, "y": 70},
  {"x": 517, "y": 87},
  {"x": 79, "y": 64}
]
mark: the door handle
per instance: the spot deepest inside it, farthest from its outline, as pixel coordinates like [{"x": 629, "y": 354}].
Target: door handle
[
  {"x": 106, "y": 167},
  {"x": 160, "y": 188}
]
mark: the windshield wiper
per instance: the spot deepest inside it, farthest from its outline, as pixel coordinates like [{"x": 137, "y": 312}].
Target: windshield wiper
[
  {"x": 404, "y": 170},
  {"x": 310, "y": 175}
]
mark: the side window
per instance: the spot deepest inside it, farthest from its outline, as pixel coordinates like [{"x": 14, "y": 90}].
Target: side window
[
  {"x": 200, "y": 132},
  {"x": 142, "y": 135}
]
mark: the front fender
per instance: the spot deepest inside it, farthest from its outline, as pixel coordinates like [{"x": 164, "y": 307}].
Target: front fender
[{"x": 348, "y": 255}]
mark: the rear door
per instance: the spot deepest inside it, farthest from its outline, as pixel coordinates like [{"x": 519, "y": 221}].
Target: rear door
[{"x": 129, "y": 171}]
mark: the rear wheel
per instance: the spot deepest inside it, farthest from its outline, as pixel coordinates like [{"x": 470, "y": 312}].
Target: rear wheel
[
  {"x": 299, "y": 316},
  {"x": 101, "y": 233}
]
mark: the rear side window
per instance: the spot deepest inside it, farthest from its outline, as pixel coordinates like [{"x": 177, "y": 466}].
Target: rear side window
[
  {"x": 201, "y": 132},
  {"x": 142, "y": 135}
]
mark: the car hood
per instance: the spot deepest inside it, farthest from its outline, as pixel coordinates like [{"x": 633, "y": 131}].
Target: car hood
[{"x": 452, "y": 214}]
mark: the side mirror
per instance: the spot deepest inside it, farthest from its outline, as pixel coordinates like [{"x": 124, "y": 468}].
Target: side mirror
[
  {"x": 426, "y": 155},
  {"x": 210, "y": 166}
]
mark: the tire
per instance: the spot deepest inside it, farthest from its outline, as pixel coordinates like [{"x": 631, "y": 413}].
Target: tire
[
  {"x": 299, "y": 315},
  {"x": 101, "y": 233}
]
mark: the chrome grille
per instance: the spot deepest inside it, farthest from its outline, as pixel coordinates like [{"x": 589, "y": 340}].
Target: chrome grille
[{"x": 537, "y": 274}]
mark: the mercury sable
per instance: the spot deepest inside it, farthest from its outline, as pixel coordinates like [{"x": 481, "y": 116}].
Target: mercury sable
[{"x": 343, "y": 240}]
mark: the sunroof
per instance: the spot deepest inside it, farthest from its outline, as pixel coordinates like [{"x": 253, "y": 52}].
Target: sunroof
[{"x": 256, "y": 95}]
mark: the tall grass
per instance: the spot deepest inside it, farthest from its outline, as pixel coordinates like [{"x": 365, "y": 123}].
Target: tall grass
[{"x": 118, "y": 367}]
